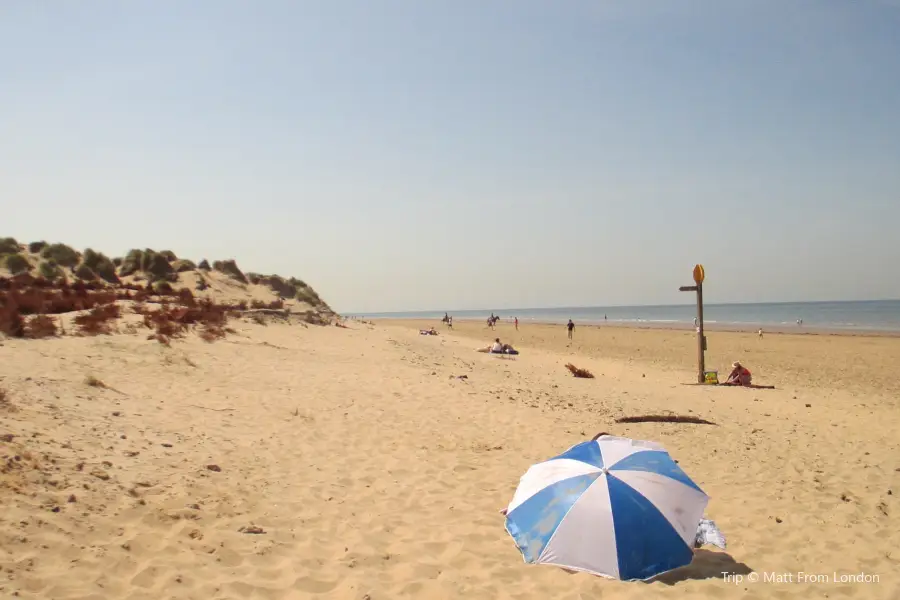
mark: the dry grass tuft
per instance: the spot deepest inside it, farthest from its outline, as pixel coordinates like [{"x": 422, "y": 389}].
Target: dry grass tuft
[
  {"x": 583, "y": 373},
  {"x": 40, "y": 326},
  {"x": 98, "y": 320},
  {"x": 6, "y": 404},
  {"x": 94, "y": 382}
]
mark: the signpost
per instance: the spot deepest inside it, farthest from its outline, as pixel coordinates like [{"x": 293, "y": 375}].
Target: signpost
[{"x": 699, "y": 276}]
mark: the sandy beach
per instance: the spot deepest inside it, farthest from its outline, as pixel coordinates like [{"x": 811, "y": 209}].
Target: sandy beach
[{"x": 293, "y": 461}]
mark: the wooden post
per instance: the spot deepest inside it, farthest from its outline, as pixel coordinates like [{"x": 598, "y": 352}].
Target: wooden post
[
  {"x": 701, "y": 338},
  {"x": 699, "y": 276}
]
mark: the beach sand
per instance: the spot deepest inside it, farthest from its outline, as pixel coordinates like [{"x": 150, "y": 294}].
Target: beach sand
[{"x": 374, "y": 472}]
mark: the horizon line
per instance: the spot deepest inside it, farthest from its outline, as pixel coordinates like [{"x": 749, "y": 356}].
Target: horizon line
[{"x": 525, "y": 309}]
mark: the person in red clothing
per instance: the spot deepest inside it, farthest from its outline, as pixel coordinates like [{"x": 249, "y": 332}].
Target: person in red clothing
[
  {"x": 517, "y": 323},
  {"x": 740, "y": 375}
]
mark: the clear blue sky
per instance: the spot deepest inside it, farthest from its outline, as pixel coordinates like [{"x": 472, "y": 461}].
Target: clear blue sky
[{"x": 402, "y": 155}]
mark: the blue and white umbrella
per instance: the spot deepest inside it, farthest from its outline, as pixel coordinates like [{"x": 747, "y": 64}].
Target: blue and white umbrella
[{"x": 613, "y": 507}]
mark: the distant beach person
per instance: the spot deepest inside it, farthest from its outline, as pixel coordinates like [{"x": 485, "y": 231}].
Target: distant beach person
[
  {"x": 517, "y": 323},
  {"x": 498, "y": 348},
  {"x": 696, "y": 322},
  {"x": 449, "y": 322},
  {"x": 740, "y": 375},
  {"x": 760, "y": 333},
  {"x": 571, "y": 327},
  {"x": 604, "y": 318}
]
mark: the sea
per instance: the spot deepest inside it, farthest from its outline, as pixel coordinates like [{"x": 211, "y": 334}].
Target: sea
[{"x": 848, "y": 316}]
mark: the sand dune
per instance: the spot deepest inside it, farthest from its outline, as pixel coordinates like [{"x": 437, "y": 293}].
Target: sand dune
[{"x": 374, "y": 472}]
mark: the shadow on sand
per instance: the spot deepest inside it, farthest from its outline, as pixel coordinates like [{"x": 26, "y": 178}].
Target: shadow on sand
[{"x": 706, "y": 565}]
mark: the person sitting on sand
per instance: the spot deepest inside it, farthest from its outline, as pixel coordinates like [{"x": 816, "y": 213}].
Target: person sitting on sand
[
  {"x": 740, "y": 375},
  {"x": 498, "y": 348}
]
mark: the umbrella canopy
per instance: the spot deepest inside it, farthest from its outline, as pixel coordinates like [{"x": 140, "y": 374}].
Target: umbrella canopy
[{"x": 614, "y": 507}]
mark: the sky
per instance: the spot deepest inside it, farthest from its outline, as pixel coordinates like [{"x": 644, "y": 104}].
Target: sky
[{"x": 467, "y": 154}]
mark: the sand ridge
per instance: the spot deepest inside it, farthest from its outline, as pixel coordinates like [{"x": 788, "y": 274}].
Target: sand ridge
[{"x": 374, "y": 471}]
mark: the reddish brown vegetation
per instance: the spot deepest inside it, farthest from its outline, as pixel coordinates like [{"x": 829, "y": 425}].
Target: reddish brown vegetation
[
  {"x": 584, "y": 373},
  {"x": 98, "y": 320},
  {"x": 170, "y": 322},
  {"x": 40, "y": 326},
  {"x": 38, "y": 298}
]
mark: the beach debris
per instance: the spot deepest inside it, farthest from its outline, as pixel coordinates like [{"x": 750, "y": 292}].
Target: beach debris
[
  {"x": 664, "y": 419},
  {"x": 8, "y": 437},
  {"x": 808, "y": 405},
  {"x": 72, "y": 498},
  {"x": 195, "y": 534},
  {"x": 166, "y": 445},
  {"x": 778, "y": 520},
  {"x": 577, "y": 372},
  {"x": 100, "y": 474},
  {"x": 94, "y": 382},
  {"x": 214, "y": 468},
  {"x": 252, "y": 529},
  {"x": 117, "y": 413}
]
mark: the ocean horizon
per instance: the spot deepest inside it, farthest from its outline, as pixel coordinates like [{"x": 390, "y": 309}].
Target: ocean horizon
[{"x": 849, "y": 315}]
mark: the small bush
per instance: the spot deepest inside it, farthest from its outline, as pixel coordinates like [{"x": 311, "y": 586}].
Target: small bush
[
  {"x": 309, "y": 295},
  {"x": 230, "y": 268},
  {"x": 17, "y": 263},
  {"x": 201, "y": 284},
  {"x": 180, "y": 266},
  {"x": 168, "y": 255},
  {"x": 163, "y": 287},
  {"x": 131, "y": 264},
  {"x": 49, "y": 270},
  {"x": 117, "y": 261},
  {"x": 9, "y": 246},
  {"x": 204, "y": 265},
  {"x": 156, "y": 266},
  {"x": 84, "y": 272},
  {"x": 285, "y": 289},
  {"x": 61, "y": 254},
  {"x": 101, "y": 265},
  {"x": 254, "y": 278},
  {"x": 35, "y": 247}
]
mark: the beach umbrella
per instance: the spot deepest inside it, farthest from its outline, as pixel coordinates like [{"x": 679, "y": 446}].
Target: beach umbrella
[{"x": 613, "y": 507}]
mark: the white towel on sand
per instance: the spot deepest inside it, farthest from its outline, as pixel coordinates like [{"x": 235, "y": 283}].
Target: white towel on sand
[{"x": 708, "y": 533}]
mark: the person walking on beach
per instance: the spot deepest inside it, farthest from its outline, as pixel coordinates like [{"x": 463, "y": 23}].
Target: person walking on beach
[
  {"x": 517, "y": 323},
  {"x": 571, "y": 327}
]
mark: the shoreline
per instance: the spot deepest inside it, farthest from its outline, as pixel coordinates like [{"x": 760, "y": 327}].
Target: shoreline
[{"x": 656, "y": 326}]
